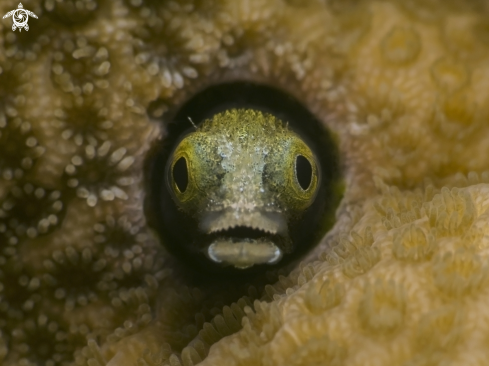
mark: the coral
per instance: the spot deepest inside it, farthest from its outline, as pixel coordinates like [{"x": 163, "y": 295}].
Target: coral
[
  {"x": 78, "y": 66},
  {"x": 69, "y": 12},
  {"x": 16, "y": 134},
  {"x": 31, "y": 211},
  {"x": 88, "y": 173},
  {"x": 401, "y": 45},
  {"x": 401, "y": 278}
]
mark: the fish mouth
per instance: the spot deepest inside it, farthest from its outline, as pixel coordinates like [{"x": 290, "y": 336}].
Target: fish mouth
[
  {"x": 269, "y": 222},
  {"x": 245, "y": 240}
]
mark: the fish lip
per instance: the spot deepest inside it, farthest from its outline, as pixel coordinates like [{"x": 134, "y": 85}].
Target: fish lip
[
  {"x": 244, "y": 253},
  {"x": 272, "y": 223}
]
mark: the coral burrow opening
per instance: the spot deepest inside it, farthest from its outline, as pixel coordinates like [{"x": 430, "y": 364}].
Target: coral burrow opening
[{"x": 182, "y": 233}]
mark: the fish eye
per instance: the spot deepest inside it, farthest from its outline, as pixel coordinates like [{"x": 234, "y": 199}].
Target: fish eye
[
  {"x": 182, "y": 171},
  {"x": 300, "y": 173},
  {"x": 303, "y": 171},
  {"x": 180, "y": 174}
]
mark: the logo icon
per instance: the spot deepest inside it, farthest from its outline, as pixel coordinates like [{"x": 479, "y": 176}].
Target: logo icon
[{"x": 20, "y": 17}]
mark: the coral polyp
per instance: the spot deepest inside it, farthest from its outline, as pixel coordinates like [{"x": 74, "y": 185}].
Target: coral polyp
[
  {"x": 16, "y": 134},
  {"x": 31, "y": 211}
]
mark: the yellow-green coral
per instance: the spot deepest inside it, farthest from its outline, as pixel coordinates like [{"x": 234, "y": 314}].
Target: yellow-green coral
[{"x": 400, "y": 279}]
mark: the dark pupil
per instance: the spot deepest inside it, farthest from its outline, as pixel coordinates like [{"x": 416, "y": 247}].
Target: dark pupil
[
  {"x": 303, "y": 171},
  {"x": 180, "y": 174}
]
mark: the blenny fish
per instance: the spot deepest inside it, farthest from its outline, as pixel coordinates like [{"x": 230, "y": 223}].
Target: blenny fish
[{"x": 236, "y": 190}]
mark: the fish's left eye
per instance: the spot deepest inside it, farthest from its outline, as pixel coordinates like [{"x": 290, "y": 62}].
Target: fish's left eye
[{"x": 303, "y": 171}]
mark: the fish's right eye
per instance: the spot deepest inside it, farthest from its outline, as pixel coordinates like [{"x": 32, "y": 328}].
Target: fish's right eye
[{"x": 180, "y": 174}]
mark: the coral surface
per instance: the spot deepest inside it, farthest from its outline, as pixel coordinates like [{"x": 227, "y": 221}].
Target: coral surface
[{"x": 401, "y": 279}]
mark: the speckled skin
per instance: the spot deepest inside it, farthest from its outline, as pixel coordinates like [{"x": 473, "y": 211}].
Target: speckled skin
[
  {"x": 242, "y": 146},
  {"x": 241, "y": 169},
  {"x": 401, "y": 278}
]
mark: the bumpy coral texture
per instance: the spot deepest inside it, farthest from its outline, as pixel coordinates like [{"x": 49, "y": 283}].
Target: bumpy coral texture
[{"x": 401, "y": 279}]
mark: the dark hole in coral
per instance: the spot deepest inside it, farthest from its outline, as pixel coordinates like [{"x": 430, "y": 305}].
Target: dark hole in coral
[
  {"x": 303, "y": 171},
  {"x": 180, "y": 174},
  {"x": 180, "y": 232}
]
